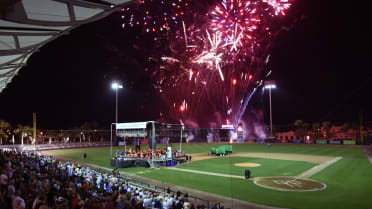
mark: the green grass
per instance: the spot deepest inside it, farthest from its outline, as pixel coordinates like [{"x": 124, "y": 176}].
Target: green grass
[
  {"x": 269, "y": 167},
  {"x": 349, "y": 181},
  {"x": 97, "y": 156}
]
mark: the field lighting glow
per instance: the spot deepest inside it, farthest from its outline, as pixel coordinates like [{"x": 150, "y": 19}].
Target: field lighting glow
[
  {"x": 272, "y": 86},
  {"x": 116, "y": 86}
]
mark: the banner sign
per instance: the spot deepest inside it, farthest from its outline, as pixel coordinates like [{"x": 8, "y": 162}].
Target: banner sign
[
  {"x": 146, "y": 141},
  {"x": 137, "y": 125},
  {"x": 321, "y": 141},
  {"x": 260, "y": 140},
  {"x": 298, "y": 141},
  {"x": 335, "y": 142},
  {"x": 349, "y": 142}
]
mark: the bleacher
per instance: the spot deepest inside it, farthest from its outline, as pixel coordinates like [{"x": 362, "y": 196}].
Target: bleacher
[
  {"x": 41, "y": 147},
  {"x": 40, "y": 166}
]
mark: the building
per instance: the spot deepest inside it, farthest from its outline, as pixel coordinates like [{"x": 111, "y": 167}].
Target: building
[{"x": 334, "y": 133}]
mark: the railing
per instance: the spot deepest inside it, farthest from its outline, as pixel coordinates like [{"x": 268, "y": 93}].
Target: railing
[
  {"x": 40, "y": 147},
  {"x": 164, "y": 190},
  {"x": 159, "y": 188},
  {"x": 139, "y": 182}
]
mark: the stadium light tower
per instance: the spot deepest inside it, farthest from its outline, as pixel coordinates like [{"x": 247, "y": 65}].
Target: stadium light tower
[
  {"x": 116, "y": 85},
  {"x": 270, "y": 85}
]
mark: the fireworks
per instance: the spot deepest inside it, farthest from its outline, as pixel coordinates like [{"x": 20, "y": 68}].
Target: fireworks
[
  {"x": 210, "y": 62},
  {"x": 154, "y": 15},
  {"x": 279, "y": 6},
  {"x": 236, "y": 20},
  {"x": 211, "y": 56}
]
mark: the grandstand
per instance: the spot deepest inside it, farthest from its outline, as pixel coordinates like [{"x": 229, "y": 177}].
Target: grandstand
[
  {"x": 54, "y": 146},
  {"x": 92, "y": 188}
]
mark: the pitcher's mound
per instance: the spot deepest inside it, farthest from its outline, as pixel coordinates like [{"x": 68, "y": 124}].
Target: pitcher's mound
[{"x": 247, "y": 164}]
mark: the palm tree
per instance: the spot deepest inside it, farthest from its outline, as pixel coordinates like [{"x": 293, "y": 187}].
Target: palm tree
[
  {"x": 51, "y": 135},
  {"x": 298, "y": 125},
  {"x": 305, "y": 128},
  {"x": 326, "y": 125},
  {"x": 355, "y": 127},
  {"x": 22, "y": 130},
  {"x": 89, "y": 127},
  {"x": 61, "y": 135},
  {"x": 316, "y": 127},
  {"x": 4, "y": 125},
  {"x": 345, "y": 128},
  {"x": 74, "y": 134},
  {"x": 40, "y": 136},
  {"x": 2, "y": 135}
]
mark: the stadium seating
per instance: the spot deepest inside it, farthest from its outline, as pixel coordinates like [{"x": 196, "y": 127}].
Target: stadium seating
[{"x": 54, "y": 183}]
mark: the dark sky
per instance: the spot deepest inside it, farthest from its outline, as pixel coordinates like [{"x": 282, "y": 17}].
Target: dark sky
[{"x": 322, "y": 69}]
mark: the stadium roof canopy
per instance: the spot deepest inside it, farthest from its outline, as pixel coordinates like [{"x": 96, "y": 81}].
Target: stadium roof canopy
[{"x": 26, "y": 25}]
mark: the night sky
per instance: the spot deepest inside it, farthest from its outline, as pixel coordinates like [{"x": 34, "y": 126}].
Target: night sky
[{"x": 321, "y": 66}]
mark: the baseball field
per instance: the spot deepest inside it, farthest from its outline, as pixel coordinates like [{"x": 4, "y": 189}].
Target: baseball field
[{"x": 284, "y": 175}]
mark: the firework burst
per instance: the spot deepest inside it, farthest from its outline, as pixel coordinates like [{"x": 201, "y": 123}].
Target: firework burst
[
  {"x": 279, "y": 6},
  {"x": 236, "y": 20},
  {"x": 208, "y": 62},
  {"x": 154, "y": 16}
]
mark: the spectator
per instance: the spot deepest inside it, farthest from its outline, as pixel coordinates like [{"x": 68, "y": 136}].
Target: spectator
[
  {"x": 3, "y": 179},
  {"x": 214, "y": 206},
  {"x": 186, "y": 204},
  {"x": 11, "y": 190},
  {"x": 37, "y": 199},
  {"x": 35, "y": 181},
  {"x": 2, "y": 200},
  {"x": 18, "y": 202},
  {"x": 158, "y": 203},
  {"x": 167, "y": 203},
  {"x": 41, "y": 202}
]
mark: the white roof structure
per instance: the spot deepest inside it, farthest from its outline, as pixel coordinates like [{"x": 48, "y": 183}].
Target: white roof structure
[
  {"x": 26, "y": 25},
  {"x": 135, "y": 129},
  {"x": 135, "y": 125}
]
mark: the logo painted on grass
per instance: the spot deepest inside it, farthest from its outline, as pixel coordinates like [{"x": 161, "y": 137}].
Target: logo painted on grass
[
  {"x": 287, "y": 183},
  {"x": 247, "y": 164}
]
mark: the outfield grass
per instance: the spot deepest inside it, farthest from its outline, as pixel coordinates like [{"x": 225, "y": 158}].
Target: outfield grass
[
  {"x": 269, "y": 167},
  {"x": 349, "y": 181}
]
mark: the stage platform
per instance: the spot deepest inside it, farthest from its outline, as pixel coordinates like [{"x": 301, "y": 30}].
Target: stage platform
[{"x": 123, "y": 162}]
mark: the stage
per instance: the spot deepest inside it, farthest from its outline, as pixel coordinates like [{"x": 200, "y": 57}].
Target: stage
[{"x": 123, "y": 162}]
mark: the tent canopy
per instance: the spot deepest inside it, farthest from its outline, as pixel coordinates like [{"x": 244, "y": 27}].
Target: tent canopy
[{"x": 26, "y": 25}]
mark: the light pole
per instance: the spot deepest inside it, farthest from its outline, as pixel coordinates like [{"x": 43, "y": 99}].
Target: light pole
[
  {"x": 116, "y": 85},
  {"x": 270, "y": 85}
]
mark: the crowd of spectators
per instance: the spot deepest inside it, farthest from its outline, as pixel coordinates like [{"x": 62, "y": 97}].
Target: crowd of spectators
[
  {"x": 32, "y": 181},
  {"x": 144, "y": 154},
  {"x": 160, "y": 154}
]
